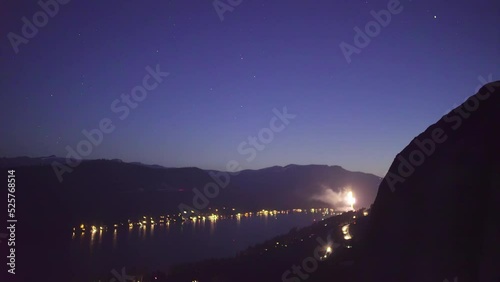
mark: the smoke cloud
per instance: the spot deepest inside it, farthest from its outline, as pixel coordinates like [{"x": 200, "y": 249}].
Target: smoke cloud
[{"x": 336, "y": 200}]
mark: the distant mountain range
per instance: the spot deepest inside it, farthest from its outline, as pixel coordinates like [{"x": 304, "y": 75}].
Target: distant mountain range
[
  {"x": 29, "y": 161},
  {"x": 140, "y": 188}
]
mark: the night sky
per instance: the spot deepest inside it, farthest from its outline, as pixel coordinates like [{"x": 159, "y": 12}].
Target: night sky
[{"x": 226, "y": 77}]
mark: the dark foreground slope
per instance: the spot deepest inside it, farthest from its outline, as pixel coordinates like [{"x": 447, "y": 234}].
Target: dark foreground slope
[{"x": 437, "y": 212}]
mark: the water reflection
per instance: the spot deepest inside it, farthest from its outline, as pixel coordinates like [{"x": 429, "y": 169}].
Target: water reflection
[
  {"x": 212, "y": 226},
  {"x": 114, "y": 238},
  {"x": 100, "y": 237},
  {"x": 82, "y": 236},
  {"x": 148, "y": 228},
  {"x": 92, "y": 240},
  {"x": 142, "y": 232},
  {"x": 195, "y": 227},
  {"x": 93, "y": 250},
  {"x": 152, "y": 230}
]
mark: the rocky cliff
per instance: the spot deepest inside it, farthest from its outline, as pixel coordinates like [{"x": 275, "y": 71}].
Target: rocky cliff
[{"x": 436, "y": 214}]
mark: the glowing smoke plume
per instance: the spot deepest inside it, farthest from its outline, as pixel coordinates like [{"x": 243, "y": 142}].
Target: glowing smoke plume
[{"x": 343, "y": 200}]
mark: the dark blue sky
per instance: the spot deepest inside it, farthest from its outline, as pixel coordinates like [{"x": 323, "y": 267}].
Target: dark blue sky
[{"x": 227, "y": 76}]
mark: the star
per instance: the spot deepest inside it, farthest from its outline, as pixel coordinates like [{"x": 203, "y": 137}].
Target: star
[{"x": 435, "y": 17}]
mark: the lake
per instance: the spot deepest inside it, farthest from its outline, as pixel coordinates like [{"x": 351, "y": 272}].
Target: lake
[{"x": 157, "y": 247}]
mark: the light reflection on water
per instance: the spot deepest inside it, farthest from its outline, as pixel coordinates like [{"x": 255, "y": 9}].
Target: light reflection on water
[
  {"x": 159, "y": 246},
  {"x": 114, "y": 238},
  {"x": 212, "y": 227},
  {"x": 152, "y": 231},
  {"x": 92, "y": 241},
  {"x": 100, "y": 237}
]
